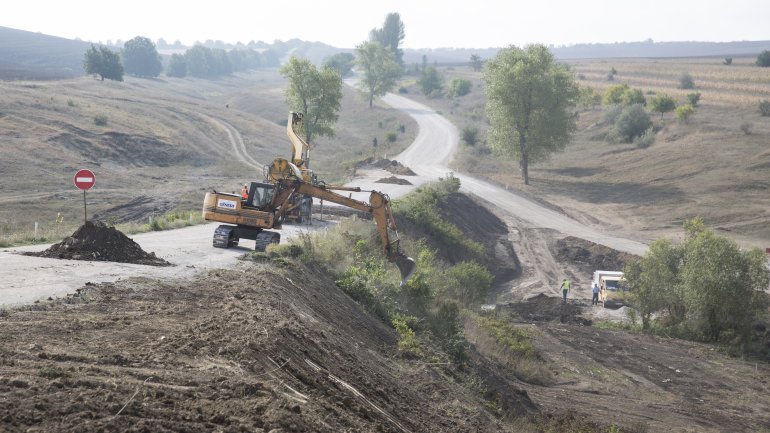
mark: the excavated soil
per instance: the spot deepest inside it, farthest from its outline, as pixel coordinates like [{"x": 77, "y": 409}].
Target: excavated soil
[
  {"x": 97, "y": 241},
  {"x": 392, "y": 166},
  {"x": 253, "y": 349},
  {"x": 394, "y": 180},
  {"x": 589, "y": 256}
]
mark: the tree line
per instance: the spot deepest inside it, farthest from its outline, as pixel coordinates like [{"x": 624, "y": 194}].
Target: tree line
[{"x": 139, "y": 57}]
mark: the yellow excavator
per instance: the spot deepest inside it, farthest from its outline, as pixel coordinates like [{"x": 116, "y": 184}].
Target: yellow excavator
[{"x": 284, "y": 190}]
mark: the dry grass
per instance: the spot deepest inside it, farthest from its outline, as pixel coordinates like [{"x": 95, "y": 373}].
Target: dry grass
[
  {"x": 160, "y": 149},
  {"x": 709, "y": 167}
]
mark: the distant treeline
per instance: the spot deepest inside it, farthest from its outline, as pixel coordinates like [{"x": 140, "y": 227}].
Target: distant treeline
[{"x": 203, "y": 62}]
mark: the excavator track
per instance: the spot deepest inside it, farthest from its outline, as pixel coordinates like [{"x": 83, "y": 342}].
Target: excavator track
[
  {"x": 265, "y": 238},
  {"x": 225, "y": 237}
]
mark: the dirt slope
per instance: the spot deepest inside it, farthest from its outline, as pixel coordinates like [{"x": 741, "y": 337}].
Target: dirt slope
[{"x": 252, "y": 349}]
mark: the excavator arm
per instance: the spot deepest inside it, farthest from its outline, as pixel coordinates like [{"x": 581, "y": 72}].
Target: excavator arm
[{"x": 378, "y": 207}]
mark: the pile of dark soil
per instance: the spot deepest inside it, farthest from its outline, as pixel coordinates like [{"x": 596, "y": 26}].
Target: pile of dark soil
[
  {"x": 589, "y": 256},
  {"x": 542, "y": 308},
  {"x": 96, "y": 241},
  {"x": 394, "y": 167},
  {"x": 394, "y": 180}
]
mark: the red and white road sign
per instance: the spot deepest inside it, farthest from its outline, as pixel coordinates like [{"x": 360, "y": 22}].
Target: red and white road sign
[{"x": 84, "y": 179}]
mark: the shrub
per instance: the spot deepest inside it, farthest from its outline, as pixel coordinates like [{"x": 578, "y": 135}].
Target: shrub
[
  {"x": 764, "y": 108},
  {"x": 632, "y": 122},
  {"x": 468, "y": 282},
  {"x": 610, "y": 114},
  {"x": 763, "y": 59},
  {"x": 70, "y": 102},
  {"x": 403, "y": 90},
  {"x": 100, "y": 120},
  {"x": 621, "y": 94},
  {"x": 728, "y": 61},
  {"x": 662, "y": 104},
  {"x": 683, "y": 113},
  {"x": 459, "y": 87},
  {"x": 694, "y": 98},
  {"x": 686, "y": 81},
  {"x": 407, "y": 339},
  {"x": 645, "y": 140},
  {"x": 391, "y": 137},
  {"x": 470, "y": 135}
]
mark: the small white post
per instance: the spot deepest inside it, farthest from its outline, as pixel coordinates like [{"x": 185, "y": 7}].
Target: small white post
[
  {"x": 190, "y": 218},
  {"x": 35, "y": 230},
  {"x": 150, "y": 219}
]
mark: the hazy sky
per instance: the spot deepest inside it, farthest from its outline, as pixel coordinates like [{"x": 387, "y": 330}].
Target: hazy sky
[{"x": 428, "y": 23}]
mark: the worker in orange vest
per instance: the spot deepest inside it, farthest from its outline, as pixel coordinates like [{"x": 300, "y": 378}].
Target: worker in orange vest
[{"x": 245, "y": 192}]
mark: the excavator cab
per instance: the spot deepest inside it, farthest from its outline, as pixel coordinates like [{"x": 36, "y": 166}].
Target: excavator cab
[{"x": 260, "y": 195}]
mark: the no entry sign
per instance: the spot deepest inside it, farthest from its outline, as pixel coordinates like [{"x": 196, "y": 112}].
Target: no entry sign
[{"x": 84, "y": 179}]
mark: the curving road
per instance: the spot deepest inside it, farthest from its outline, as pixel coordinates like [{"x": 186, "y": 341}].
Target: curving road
[
  {"x": 24, "y": 279},
  {"x": 429, "y": 157}
]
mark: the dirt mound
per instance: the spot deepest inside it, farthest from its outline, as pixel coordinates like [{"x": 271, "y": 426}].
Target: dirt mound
[
  {"x": 241, "y": 350},
  {"x": 394, "y": 180},
  {"x": 394, "y": 167},
  {"x": 542, "y": 308},
  {"x": 589, "y": 256},
  {"x": 96, "y": 241}
]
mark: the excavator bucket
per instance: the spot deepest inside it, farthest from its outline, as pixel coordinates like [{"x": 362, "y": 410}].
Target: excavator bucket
[{"x": 406, "y": 265}]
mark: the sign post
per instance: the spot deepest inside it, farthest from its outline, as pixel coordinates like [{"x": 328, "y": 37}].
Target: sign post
[{"x": 85, "y": 180}]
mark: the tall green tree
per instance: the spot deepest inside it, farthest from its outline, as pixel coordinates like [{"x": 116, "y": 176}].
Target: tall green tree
[
  {"x": 390, "y": 36},
  {"x": 529, "y": 104},
  {"x": 662, "y": 103},
  {"x": 380, "y": 70},
  {"x": 140, "y": 58},
  {"x": 177, "y": 66},
  {"x": 431, "y": 82},
  {"x": 341, "y": 62},
  {"x": 103, "y": 62},
  {"x": 314, "y": 93},
  {"x": 476, "y": 62}
]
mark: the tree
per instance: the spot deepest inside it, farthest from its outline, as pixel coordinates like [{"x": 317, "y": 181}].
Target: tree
[
  {"x": 632, "y": 122},
  {"x": 380, "y": 70},
  {"x": 390, "y": 36},
  {"x": 707, "y": 283},
  {"x": 198, "y": 61},
  {"x": 763, "y": 59},
  {"x": 728, "y": 61},
  {"x": 316, "y": 94},
  {"x": 103, "y": 62},
  {"x": 622, "y": 94},
  {"x": 683, "y": 112},
  {"x": 694, "y": 98},
  {"x": 177, "y": 66},
  {"x": 140, "y": 58},
  {"x": 529, "y": 101},
  {"x": 476, "y": 62},
  {"x": 431, "y": 82},
  {"x": 341, "y": 62},
  {"x": 662, "y": 103}
]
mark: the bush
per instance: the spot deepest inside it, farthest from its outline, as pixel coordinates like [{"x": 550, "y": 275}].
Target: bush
[
  {"x": 662, "y": 103},
  {"x": 707, "y": 287},
  {"x": 470, "y": 135},
  {"x": 683, "y": 113},
  {"x": 407, "y": 339},
  {"x": 728, "y": 61},
  {"x": 686, "y": 81},
  {"x": 632, "y": 122},
  {"x": 764, "y": 108},
  {"x": 763, "y": 59},
  {"x": 621, "y": 94},
  {"x": 611, "y": 113},
  {"x": 645, "y": 140},
  {"x": 694, "y": 98},
  {"x": 391, "y": 137},
  {"x": 459, "y": 87},
  {"x": 468, "y": 282},
  {"x": 100, "y": 120}
]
